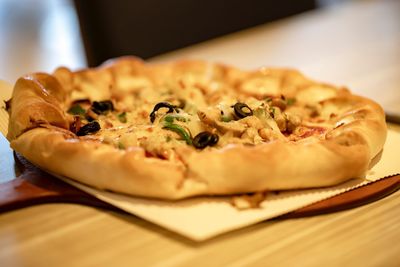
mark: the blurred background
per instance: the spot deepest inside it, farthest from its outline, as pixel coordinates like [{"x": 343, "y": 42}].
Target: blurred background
[
  {"x": 354, "y": 43},
  {"x": 39, "y": 35}
]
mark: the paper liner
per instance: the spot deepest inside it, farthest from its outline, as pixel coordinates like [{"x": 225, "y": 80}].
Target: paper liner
[{"x": 201, "y": 218}]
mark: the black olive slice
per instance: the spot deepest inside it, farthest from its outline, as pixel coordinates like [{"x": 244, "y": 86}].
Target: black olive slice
[
  {"x": 91, "y": 127},
  {"x": 204, "y": 139},
  {"x": 242, "y": 110},
  {"x": 171, "y": 108},
  {"x": 101, "y": 107}
]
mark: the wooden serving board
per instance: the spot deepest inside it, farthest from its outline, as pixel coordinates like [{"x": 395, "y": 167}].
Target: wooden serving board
[{"x": 34, "y": 187}]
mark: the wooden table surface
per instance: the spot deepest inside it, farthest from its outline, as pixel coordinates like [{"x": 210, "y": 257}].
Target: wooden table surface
[{"x": 357, "y": 44}]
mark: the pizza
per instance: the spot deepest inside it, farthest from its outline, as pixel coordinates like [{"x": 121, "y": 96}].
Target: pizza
[{"x": 188, "y": 128}]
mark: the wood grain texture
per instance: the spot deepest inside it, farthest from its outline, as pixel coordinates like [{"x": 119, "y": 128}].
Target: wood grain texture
[
  {"x": 70, "y": 235},
  {"x": 360, "y": 48},
  {"x": 34, "y": 186}
]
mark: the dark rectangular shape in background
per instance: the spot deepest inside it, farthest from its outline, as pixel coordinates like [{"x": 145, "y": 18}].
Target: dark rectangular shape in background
[{"x": 148, "y": 28}]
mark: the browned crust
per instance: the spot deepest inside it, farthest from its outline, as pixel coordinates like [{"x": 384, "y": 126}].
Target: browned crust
[
  {"x": 236, "y": 169},
  {"x": 100, "y": 165},
  {"x": 38, "y": 101}
]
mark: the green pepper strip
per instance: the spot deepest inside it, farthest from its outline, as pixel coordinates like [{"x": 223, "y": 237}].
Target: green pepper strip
[
  {"x": 225, "y": 118},
  {"x": 179, "y": 130},
  {"x": 76, "y": 110},
  {"x": 259, "y": 113},
  {"x": 168, "y": 124},
  {"x": 290, "y": 101},
  {"x": 122, "y": 117},
  {"x": 170, "y": 118}
]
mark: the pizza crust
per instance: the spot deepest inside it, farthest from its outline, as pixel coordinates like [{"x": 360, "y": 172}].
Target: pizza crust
[
  {"x": 36, "y": 100},
  {"x": 39, "y": 131},
  {"x": 234, "y": 169}
]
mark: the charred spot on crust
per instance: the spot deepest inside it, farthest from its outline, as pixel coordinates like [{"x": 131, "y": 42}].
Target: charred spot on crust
[{"x": 7, "y": 104}]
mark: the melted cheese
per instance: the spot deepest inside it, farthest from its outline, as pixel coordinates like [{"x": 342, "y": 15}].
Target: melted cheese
[
  {"x": 212, "y": 99},
  {"x": 133, "y": 83},
  {"x": 261, "y": 86},
  {"x": 315, "y": 94}
]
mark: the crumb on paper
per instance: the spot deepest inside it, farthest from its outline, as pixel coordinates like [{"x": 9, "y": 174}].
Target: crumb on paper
[
  {"x": 370, "y": 172},
  {"x": 248, "y": 201}
]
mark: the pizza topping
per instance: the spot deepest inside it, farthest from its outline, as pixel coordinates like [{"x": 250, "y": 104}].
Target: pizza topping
[
  {"x": 185, "y": 116},
  {"x": 279, "y": 102},
  {"x": 307, "y": 131},
  {"x": 280, "y": 119},
  {"x": 76, "y": 110},
  {"x": 82, "y": 101},
  {"x": 108, "y": 124},
  {"x": 292, "y": 122},
  {"x": 91, "y": 127},
  {"x": 242, "y": 110},
  {"x": 91, "y": 115},
  {"x": 211, "y": 117},
  {"x": 171, "y": 108},
  {"x": 314, "y": 110},
  {"x": 102, "y": 107},
  {"x": 290, "y": 101},
  {"x": 182, "y": 103},
  {"x": 121, "y": 146},
  {"x": 76, "y": 124},
  {"x": 170, "y": 118},
  {"x": 122, "y": 117},
  {"x": 270, "y": 126},
  {"x": 179, "y": 130},
  {"x": 225, "y": 118},
  {"x": 204, "y": 139}
]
